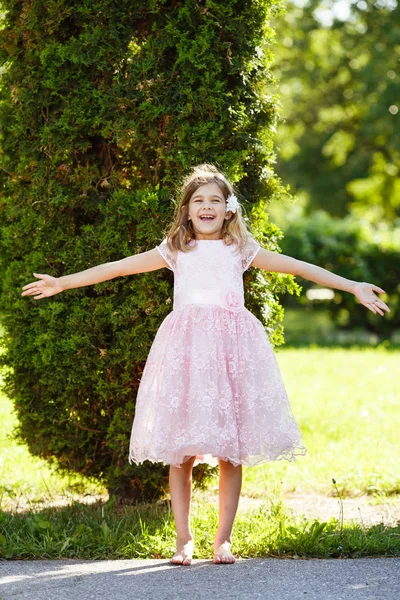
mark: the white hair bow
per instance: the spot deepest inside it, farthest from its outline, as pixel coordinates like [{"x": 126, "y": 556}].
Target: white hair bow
[{"x": 232, "y": 203}]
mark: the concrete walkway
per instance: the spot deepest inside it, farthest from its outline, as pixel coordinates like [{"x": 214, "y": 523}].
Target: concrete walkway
[{"x": 247, "y": 579}]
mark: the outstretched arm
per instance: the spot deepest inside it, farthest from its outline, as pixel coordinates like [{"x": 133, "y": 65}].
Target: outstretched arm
[
  {"x": 138, "y": 263},
  {"x": 280, "y": 263}
]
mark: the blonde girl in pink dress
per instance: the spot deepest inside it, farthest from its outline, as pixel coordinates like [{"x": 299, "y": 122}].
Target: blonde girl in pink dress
[{"x": 211, "y": 390}]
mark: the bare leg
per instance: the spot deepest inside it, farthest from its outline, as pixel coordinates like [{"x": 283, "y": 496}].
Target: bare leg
[
  {"x": 180, "y": 485},
  {"x": 230, "y": 484}
]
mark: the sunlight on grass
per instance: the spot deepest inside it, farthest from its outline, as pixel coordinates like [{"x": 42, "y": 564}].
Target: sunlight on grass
[{"x": 346, "y": 402}]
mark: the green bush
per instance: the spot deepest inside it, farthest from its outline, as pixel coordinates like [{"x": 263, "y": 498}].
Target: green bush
[
  {"x": 103, "y": 107},
  {"x": 355, "y": 250}
]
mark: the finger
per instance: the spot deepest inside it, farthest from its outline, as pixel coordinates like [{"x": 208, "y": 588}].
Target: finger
[
  {"x": 30, "y": 285},
  {"x": 28, "y": 288},
  {"x": 31, "y": 290},
  {"x": 39, "y": 297},
  {"x": 370, "y": 306},
  {"x": 383, "y": 306},
  {"x": 378, "y": 289},
  {"x": 376, "y": 309},
  {"x": 378, "y": 302}
]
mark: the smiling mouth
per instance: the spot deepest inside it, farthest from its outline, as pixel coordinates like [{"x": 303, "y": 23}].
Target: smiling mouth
[{"x": 208, "y": 218}]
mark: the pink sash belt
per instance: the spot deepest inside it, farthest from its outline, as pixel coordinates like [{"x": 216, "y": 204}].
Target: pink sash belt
[{"x": 228, "y": 298}]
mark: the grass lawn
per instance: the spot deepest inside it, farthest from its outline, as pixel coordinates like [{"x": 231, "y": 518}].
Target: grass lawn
[{"x": 346, "y": 402}]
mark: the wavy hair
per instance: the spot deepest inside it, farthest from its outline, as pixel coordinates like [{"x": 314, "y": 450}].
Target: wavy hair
[{"x": 181, "y": 232}]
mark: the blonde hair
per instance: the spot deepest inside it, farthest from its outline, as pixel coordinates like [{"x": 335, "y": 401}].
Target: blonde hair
[{"x": 234, "y": 229}]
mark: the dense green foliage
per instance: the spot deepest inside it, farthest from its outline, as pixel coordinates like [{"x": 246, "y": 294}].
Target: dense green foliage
[
  {"x": 339, "y": 147},
  {"x": 355, "y": 250},
  {"x": 103, "y": 107}
]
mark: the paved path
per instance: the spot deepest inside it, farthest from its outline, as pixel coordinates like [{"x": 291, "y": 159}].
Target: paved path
[{"x": 247, "y": 579}]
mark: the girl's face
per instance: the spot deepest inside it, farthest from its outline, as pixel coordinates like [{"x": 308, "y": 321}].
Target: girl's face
[{"x": 208, "y": 201}]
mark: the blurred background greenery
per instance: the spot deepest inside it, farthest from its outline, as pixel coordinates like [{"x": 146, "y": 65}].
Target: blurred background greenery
[{"x": 338, "y": 148}]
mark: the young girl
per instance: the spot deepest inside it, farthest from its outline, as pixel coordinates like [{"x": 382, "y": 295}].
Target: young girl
[{"x": 211, "y": 390}]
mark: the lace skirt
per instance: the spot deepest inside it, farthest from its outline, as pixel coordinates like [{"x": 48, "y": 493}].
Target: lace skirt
[{"x": 212, "y": 388}]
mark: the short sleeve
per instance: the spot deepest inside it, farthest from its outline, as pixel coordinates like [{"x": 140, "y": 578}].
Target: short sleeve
[
  {"x": 167, "y": 254},
  {"x": 249, "y": 252}
]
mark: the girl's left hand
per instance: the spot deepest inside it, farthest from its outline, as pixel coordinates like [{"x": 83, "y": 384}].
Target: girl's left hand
[{"x": 365, "y": 293}]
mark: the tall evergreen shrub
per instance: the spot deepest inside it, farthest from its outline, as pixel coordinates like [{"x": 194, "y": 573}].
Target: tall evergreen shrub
[{"x": 104, "y": 107}]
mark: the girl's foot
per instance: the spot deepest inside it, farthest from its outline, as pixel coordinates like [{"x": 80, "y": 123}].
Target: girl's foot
[
  {"x": 183, "y": 554},
  {"x": 223, "y": 554}
]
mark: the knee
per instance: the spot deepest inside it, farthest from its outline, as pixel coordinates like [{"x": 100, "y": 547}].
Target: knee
[
  {"x": 186, "y": 465},
  {"x": 226, "y": 464}
]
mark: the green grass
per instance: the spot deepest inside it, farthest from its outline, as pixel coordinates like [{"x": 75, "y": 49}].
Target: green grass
[
  {"x": 346, "y": 404},
  {"x": 103, "y": 532},
  {"x": 26, "y": 480}
]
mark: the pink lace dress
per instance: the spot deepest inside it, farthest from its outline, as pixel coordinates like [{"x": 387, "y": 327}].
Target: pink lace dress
[{"x": 211, "y": 386}]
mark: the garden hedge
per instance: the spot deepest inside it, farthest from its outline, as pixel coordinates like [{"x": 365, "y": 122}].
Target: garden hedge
[
  {"x": 104, "y": 107},
  {"x": 353, "y": 249}
]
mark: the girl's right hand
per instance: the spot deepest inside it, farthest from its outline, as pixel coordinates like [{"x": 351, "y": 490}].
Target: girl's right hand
[{"x": 47, "y": 286}]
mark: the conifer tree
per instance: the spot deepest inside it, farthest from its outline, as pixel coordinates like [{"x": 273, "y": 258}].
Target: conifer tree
[{"x": 104, "y": 106}]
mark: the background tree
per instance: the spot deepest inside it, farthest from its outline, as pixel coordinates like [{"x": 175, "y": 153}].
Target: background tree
[
  {"x": 103, "y": 107},
  {"x": 339, "y": 146}
]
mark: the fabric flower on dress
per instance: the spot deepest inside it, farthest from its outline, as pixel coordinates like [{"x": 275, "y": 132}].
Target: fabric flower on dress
[
  {"x": 232, "y": 203},
  {"x": 233, "y": 300}
]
